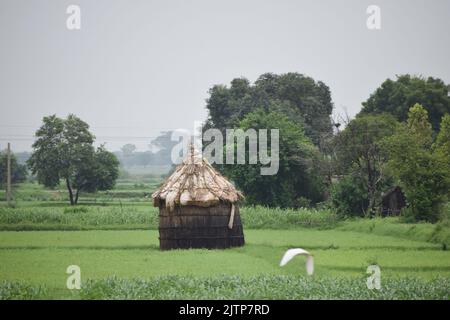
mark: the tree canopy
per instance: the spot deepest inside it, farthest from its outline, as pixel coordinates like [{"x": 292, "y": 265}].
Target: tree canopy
[
  {"x": 297, "y": 96},
  {"x": 398, "y": 96}
]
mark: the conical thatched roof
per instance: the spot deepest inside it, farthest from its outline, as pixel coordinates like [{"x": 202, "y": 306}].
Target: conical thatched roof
[{"x": 195, "y": 182}]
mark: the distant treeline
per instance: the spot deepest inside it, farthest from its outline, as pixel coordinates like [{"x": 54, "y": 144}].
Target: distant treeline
[
  {"x": 129, "y": 156},
  {"x": 162, "y": 146}
]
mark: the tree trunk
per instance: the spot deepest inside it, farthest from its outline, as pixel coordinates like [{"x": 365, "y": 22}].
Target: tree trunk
[
  {"x": 69, "y": 187},
  {"x": 371, "y": 208},
  {"x": 76, "y": 196}
]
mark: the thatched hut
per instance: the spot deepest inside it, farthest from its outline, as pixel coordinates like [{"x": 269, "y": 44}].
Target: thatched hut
[
  {"x": 198, "y": 208},
  {"x": 393, "y": 202}
]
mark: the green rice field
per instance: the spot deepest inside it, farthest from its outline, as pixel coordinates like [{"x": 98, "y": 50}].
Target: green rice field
[{"x": 115, "y": 243}]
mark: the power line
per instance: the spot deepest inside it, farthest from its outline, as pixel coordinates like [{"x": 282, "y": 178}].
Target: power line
[
  {"x": 93, "y": 127},
  {"x": 30, "y": 137}
]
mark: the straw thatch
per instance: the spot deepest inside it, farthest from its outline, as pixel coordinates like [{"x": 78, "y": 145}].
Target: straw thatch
[{"x": 195, "y": 183}]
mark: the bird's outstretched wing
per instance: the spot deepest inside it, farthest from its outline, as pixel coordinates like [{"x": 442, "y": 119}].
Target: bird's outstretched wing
[{"x": 291, "y": 253}]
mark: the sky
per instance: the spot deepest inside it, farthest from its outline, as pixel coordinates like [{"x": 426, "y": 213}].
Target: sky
[{"x": 136, "y": 68}]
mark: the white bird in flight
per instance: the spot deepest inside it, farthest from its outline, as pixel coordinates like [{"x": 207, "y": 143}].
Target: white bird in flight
[{"x": 291, "y": 253}]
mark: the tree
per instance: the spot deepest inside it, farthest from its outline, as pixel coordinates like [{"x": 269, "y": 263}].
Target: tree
[
  {"x": 396, "y": 97},
  {"x": 360, "y": 154},
  {"x": 422, "y": 169},
  {"x": 18, "y": 171},
  {"x": 162, "y": 148},
  {"x": 100, "y": 174},
  {"x": 128, "y": 149},
  {"x": 299, "y": 97},
  {"x": 64, "y": 150},
  {"x": 296, "y": 182},
  {"x": 442, "y": 144}
]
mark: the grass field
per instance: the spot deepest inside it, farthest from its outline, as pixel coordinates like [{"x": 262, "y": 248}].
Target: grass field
[
  {"x": 115, "y": 243},
  {"x": 41, "y": 257}
]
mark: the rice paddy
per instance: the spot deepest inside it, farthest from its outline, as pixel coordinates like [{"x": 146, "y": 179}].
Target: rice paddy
[{"x": 115, "y": 244}]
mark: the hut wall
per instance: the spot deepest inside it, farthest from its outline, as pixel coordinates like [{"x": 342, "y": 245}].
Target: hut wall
[
  {"x": 393, "y": 202},
  {"x": 199, "y": 227}
]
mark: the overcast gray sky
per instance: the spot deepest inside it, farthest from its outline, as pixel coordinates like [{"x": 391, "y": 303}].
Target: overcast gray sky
[{"x": 138, "y": 67}]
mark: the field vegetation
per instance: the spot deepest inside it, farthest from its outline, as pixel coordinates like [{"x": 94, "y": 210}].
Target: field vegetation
[{"x": 114, "y": 240}]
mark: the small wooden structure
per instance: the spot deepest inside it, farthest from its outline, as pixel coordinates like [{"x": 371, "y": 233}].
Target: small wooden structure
[
  {"x": 393, "y": 202},
  {"x": 198, "y": 208}
]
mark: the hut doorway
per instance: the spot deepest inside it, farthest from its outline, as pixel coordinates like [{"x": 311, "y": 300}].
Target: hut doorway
[{"x": 393, "y": 202}]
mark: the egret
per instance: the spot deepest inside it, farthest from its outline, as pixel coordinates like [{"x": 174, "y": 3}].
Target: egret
[{"x": 291, "y": 253}]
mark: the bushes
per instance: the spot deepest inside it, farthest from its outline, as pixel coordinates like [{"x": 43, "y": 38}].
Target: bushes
[
  {"x": 441, "y": 234},
  {"x": 436, "y": 233},
  {"x": 259, "y": 217},
  {"x": 237, "y": 287},
  {"x": 349, "y": 197},
  {"x": 77, "y": 209},
  {"x": 146, "y": 217},
  {"x": 263, "y": 287},
  {"x": 15, "y": 290},
  {"x": 79, "y": 218}
]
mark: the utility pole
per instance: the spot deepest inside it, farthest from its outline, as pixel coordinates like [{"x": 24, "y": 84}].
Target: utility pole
[{"x": 8, "y": 175}]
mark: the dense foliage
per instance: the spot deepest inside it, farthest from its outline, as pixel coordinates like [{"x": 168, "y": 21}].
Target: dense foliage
[
  {"x": 349, "y": 196},
  {"x": 299, "y": 97},
  {"x": 296, "y": 183},
  {"x": 361, "y": 157},
  {"x": 300, "y": 108},
  {"x": 263, "y": 287},
  {"x": 349, "y": 168},
  {"x": 18, "y": 171},
  {"x": 422, "y": 169},
  {"x": 260, "y": 287},
  {"x": 397, "y": 96}
]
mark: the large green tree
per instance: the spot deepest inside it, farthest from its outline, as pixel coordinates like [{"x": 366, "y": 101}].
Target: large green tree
[
  {"x": 296, "y": 183},
  {"x": 297, "y": 96},
  {"x": 360, "y": 155},
  {"x": 397, "y": 96},
  {"x": 63, "y": 150},
  {"x": 422, "y": 169}
]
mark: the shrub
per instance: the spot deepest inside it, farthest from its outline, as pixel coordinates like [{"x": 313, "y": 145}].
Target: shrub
[
  {"x": 349, "y": 197},
  {"x": 263, "y": 287},
  {"x": 260, "y": 217},
  {"x": 15, "y": 290},
  {"x": 76, "y": 210}
]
